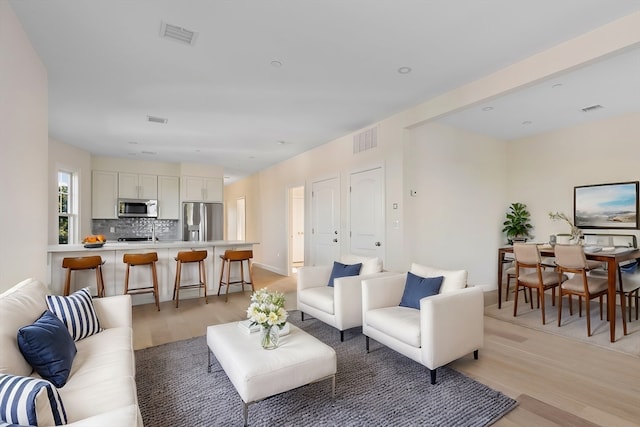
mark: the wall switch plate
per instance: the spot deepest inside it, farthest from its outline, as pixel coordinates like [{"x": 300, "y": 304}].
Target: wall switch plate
[
  {"x": 413, "y": 193},
  {"x": 112, "y": 230}
]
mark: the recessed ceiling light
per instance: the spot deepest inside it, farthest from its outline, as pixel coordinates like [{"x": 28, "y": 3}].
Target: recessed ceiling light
[
  {"x": 150, "y": 153},
  {"x": 133, "y": 142},
  {"x": 557, "y": 85},
  {"x": 155, "y": 119},
  {"x": 281, "y": 142},
  {"x": 527, "y": 122},
  {"x": 276, "y": 64},
  {"x": 487, "y": 108},
  {"x": 404, "y": 70}
]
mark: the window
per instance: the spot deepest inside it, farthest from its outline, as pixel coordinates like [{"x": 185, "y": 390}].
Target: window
[{"x": 66, "y": 207}]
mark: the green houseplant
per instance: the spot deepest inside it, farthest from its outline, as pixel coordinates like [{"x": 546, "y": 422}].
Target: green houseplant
[{"x": 517, "y": 224}]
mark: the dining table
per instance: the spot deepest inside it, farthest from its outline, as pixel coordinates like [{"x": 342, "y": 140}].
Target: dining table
[{"x": 609, "y": 256}]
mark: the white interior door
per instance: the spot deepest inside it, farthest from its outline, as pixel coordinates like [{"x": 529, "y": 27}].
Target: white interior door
[
  {"x": 366, "y": 208},
  {"x": 297, "y": 225},
  {"x": 325, "y": 227}
]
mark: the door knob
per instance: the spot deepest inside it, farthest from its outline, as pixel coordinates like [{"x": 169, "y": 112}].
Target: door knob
[
  {"x": 335, "y": 240},
  {"x": 378, "y": 244}
]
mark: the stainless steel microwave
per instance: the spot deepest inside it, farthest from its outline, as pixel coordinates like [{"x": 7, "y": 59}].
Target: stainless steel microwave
[{"x": 135, "y": 208}]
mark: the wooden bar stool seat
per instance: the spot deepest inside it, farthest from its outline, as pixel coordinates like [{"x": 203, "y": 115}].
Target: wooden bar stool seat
[
  {"x": 184, "y": 257},
  {"x": 149, "y": 259},
  {"x": 230, "y": 256},
  {"x": 84, "y": 263}
]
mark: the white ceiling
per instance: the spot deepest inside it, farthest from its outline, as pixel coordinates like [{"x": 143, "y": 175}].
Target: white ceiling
[{"x": 227, "y": 105}]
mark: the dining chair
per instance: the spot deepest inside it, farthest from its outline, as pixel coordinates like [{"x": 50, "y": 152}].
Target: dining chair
[
  {"x": 571, "y": 259},
  {"x": 527, "y": 258},
  {"x": 628, "y": 288}
]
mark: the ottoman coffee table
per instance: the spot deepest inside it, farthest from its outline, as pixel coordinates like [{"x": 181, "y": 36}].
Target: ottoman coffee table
[{"x": 256, "y": 373}]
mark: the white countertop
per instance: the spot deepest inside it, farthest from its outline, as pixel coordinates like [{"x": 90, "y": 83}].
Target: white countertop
[{"x": 115, "y": 246}]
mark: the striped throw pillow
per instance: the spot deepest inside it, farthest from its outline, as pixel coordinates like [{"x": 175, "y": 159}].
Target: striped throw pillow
[
  {"x": 76, "y": 312},
  {"x": 30, "y": 402}
]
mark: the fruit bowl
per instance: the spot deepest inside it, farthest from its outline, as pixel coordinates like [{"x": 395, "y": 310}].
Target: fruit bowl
[
  {"x": 94, "y": 241},
  {"x": 94, "y": 245}
]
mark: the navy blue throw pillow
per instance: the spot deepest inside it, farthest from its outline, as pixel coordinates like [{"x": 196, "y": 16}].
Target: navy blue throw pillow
[
  {"x": 416, "y": 288},
  {"x": 48, "y": 347},
  {"x": 343, "y": 270}
]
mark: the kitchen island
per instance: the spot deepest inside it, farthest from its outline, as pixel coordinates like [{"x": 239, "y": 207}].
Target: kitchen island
[{"x": 114, "y": 269}]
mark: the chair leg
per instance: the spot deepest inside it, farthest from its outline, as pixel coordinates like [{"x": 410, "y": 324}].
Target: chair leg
[
  {"x": 250, "y": 275},
  {"x": 560, "y": 306},
  {"x": 341, "y": 336},
  {"x": 154, "y": 275},
  {"x": 224, "y": 262},
  {"x": 176, "y": 290},
  {"x": 623, "y": 308},
  {"x": 588, "y": 303},
  {"x": 367, "y": 343},
  {"x": 433, "y": 376},
  {"x": 541, "y": 300},
  {"x": 203, "y": 280},
  {"x": 475, "y": 354},
  {"x": 302, "y": 316},
  {"x": 515, "y": 298}
]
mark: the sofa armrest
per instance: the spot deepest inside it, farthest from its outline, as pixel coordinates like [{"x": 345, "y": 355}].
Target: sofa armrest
[
  {"x": 126, "y": 416},
  {"x": 383, "y": 291},
  {"x": 347, "y": 298},
  {"x": 451, "y": 325},
  {"x": 313, "y": 276},
  {"x": 114, "y": 311}
]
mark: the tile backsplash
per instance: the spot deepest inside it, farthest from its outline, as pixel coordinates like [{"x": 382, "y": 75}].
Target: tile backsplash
[{"x": 166, "y": 229}]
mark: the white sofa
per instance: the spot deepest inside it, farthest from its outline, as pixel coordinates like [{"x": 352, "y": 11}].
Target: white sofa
[
  {"x": 447, "y": 326},
  {"x": 341, "y": 305},
  {"x": 101, "y": 388}
]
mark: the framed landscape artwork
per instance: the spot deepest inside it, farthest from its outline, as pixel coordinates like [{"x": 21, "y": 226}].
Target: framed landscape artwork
[{"x": 606, "y": 205}]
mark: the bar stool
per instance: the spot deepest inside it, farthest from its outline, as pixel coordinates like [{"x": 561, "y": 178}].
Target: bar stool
[
  {"x": 229, "y": 257},
  {"x": 149, "y": 259},
  {"x": 84, "y": 263},
  {"x": 188, "y": 257}
]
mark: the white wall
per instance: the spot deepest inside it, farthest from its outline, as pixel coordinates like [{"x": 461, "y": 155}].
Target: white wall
[
  {"x": 544, "y": 169},
  {"x": 24, "y": 159},
  {"x": 455, "y": 218},
  {"x": 72, "y": 159}
]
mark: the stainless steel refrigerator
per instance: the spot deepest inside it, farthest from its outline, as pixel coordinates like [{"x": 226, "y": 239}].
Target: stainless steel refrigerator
[{"x": 202, "y": 221}]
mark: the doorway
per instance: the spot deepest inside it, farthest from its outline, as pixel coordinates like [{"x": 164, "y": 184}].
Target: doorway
[{"x": 296, "y": 228}]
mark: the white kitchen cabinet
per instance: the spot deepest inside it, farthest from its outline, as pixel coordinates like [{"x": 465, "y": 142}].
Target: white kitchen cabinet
[
  {"x": 201, "y": 189},
  {"x": 168, "y": 197},
  {"x": 137, "y": 186},
  {"x": 104, "y": 195}
]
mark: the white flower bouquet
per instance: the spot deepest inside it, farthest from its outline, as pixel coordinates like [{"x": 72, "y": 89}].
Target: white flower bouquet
[{"x": 267, "y": 309}]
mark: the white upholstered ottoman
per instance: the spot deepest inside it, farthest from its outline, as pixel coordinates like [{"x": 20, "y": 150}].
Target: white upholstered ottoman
[{"x": 256, "y": 373}]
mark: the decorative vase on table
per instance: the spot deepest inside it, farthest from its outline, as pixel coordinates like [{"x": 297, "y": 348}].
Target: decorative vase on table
[
  {"x": 267, "y": 310},
  {"x": 269, "y": 337}
]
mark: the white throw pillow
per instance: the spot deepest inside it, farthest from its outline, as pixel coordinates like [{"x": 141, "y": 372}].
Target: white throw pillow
[
  {"x": 370, "y": 265},
  {"x": 453, "y": 279}
]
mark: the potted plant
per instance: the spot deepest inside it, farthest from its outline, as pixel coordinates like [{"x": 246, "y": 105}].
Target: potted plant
[
  {"x": 576, "y": 233},
  {"x": 517, "y": 224}
]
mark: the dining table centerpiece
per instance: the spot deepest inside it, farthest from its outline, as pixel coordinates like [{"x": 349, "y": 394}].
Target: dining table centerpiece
[
  {"x": 267, "y": 310},
  {"x": 576, "y": 233}
]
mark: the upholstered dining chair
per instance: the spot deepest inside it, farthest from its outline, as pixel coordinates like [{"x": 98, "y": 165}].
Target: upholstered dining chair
[
  {"x": 628, "y": 288},
  {"x": 571, "y": 259},
  {"x": 530, "y": 274}
]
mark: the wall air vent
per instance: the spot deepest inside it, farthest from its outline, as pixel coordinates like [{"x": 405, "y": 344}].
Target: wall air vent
[
  {"x": 592, "y": 108},
  {"x": 155, "y": 119},
  {"x": 178, "y": 34},
  {"x": 365, "y": 140}
]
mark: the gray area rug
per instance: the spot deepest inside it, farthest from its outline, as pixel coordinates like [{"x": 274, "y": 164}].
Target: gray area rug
[
  {"x": 382, "y": 388},
  {"x": 573, "y": 327}
]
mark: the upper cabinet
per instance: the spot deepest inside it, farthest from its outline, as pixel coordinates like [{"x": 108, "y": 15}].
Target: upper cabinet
[
  {"x": 104, "y": 192},
  {"x": 168, "y": 197},
  {"x": 201, "y": 189},
  {"x": 135, "y": 186}
]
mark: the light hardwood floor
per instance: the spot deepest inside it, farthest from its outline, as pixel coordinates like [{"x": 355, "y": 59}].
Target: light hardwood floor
[{"x": 557, "y": 381}]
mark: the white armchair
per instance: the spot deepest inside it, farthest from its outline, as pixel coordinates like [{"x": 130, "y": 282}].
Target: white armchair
[
  {"x": 447, "y": 326},
  {"x": 341, "y": 305}
]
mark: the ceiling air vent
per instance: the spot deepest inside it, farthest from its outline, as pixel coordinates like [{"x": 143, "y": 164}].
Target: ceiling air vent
[
  {"x": 178, "y": 34},
  {"x": 154, "y": 119},
  {"x": 365, "y": 140},
  {"x": 592, "y": 108}
]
